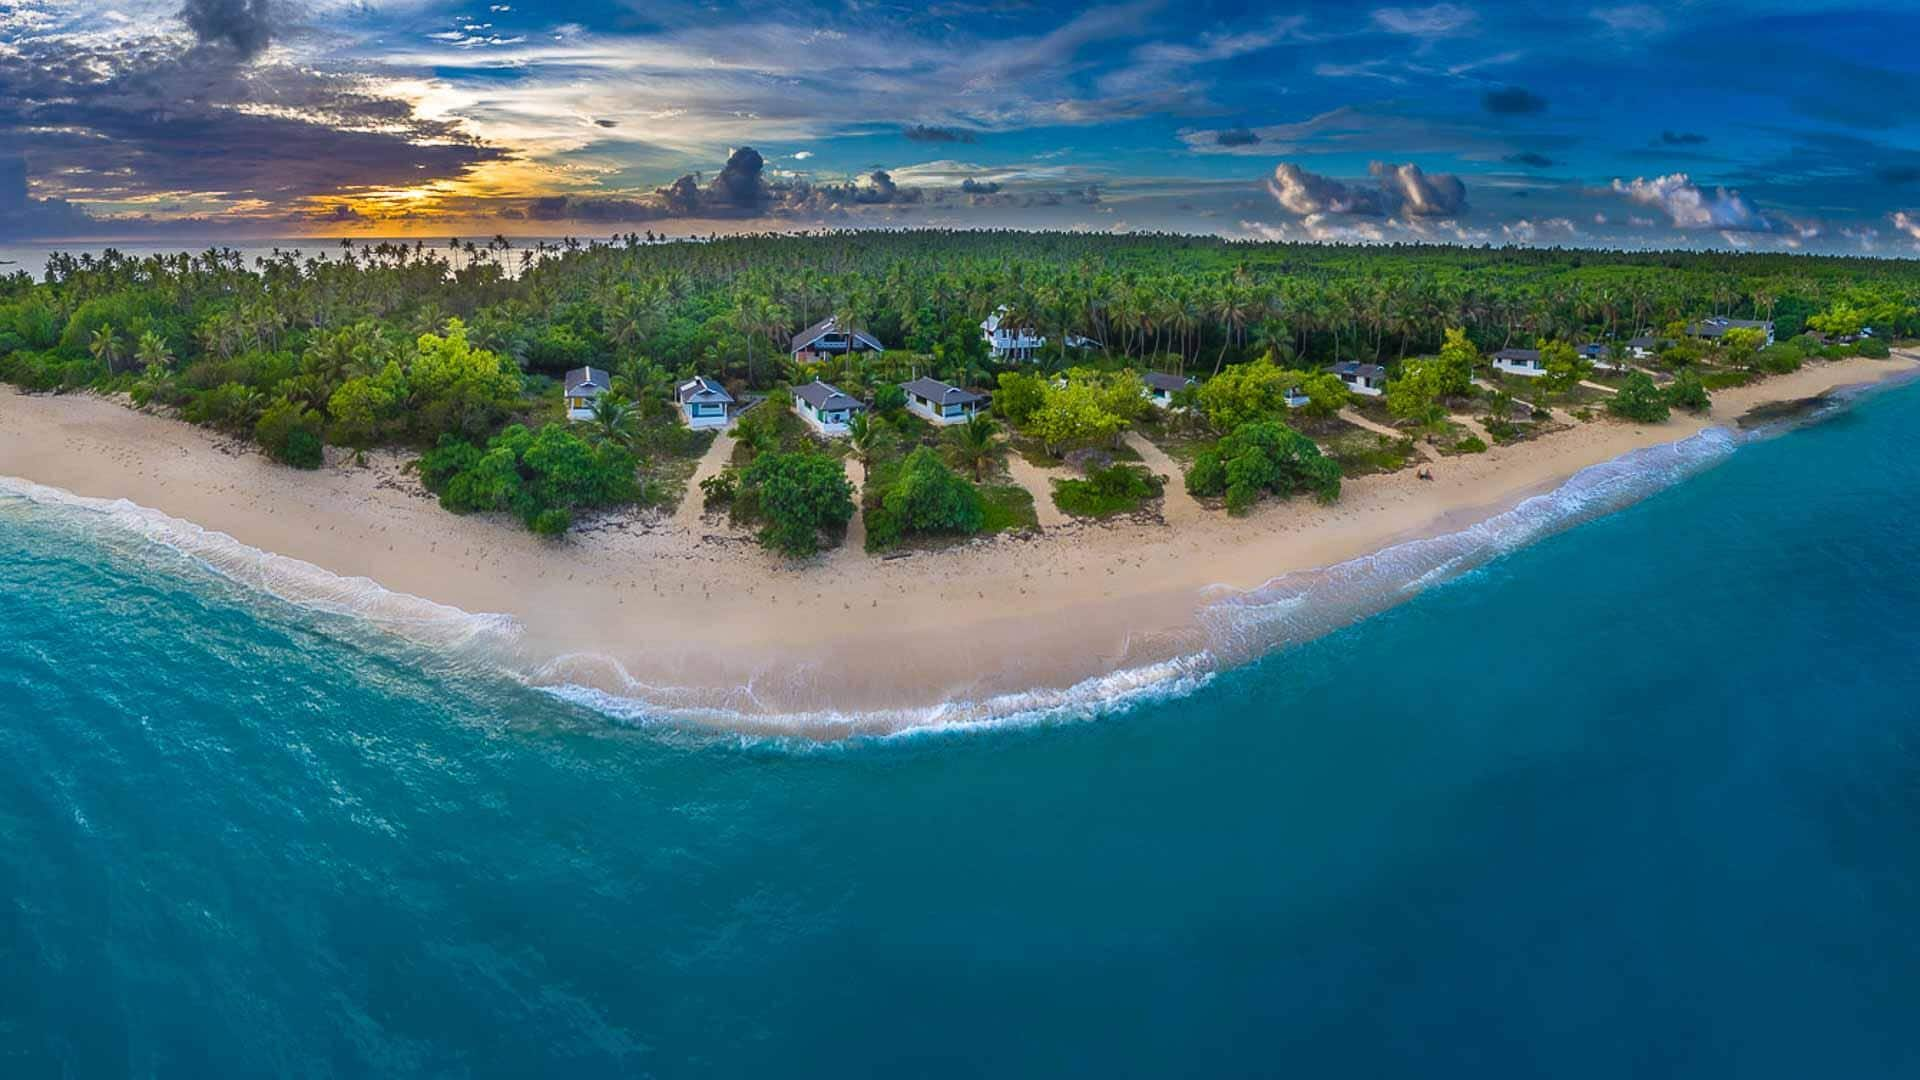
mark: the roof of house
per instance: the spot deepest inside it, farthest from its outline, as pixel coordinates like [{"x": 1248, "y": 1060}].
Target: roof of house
[
  {"x": 1646, "y": 341},
  {"x": 1358, "y": 369},
  {"x": 824, "y": 397},
  {"x": 1160, "y": 380},
  {"x": 1720, "y": 324},
  {"x": 938, "y": 392},
  {"x": 1528, "y": 355},
  {"x": 588, "y": 378},
  {"x": 701, "y": 387},
  {"x": 829, "y": 325}
]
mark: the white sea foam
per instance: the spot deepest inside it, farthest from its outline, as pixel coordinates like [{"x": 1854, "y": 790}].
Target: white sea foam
[
  {"x": 291, "y": 580},
  {"x": 1240, "y": 626}
]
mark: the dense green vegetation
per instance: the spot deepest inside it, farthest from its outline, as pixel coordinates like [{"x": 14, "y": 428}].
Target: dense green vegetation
[
  {"x": 1259, "y": 458},
  {"x": 390, "y": 345},
  {"x": 1107, "y": 490}
]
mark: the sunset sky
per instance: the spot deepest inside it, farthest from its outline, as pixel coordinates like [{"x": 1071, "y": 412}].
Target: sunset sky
[{"x": 1758, "y": 125}]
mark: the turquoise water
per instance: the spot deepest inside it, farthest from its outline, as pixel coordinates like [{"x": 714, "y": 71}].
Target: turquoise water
[{"x": 1640, "y": 799}]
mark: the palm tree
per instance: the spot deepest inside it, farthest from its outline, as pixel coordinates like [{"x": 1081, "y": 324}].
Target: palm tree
[
  {"x": 105, "y": 346},
  {"x": 974, "y": 444},
  {"x": 152, "y": 351},
  {"x": 613, "y": 420},
  {"x": 865, "y": 435}
]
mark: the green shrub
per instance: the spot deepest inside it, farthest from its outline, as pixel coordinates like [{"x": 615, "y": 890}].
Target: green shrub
[
  {"x": 1261, "y": 457},
  {"x": 1116, "y": 489},
  {"x": 924, "y": 498},
  {"x": 1779, "y": 358},
  {"x": 1689, "y": 393},
  {"x": 1472, "y": 444},
  {"x": 797, "y": 496},
  {"x": 1639, "y": 400},
  {"x": 1872, "y": 348},
  {"x": 889, "y": 399},
  {"x": 290, "y": 434},
  {"x": 538, "y": 476}
]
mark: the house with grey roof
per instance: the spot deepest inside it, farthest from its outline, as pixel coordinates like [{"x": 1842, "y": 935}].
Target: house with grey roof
[
  {"x": 703, "y": 402},
  {"x": 581, "y": 388},
  {"x": 1368, "y": 379},
  {"x": 825, "y": 338},
  {"x": 825, "y": 407},
  {"x": 1159, "y": 387},
  {"x": 1711, "y": 329},
  {"x": 941, "y": 402},
  {"x": 1525, "y": 362},
  {"x": 1646, "y": 346}
]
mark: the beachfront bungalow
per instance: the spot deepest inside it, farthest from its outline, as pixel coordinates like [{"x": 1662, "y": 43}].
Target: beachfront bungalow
[
  {"x": 1646, "y": 347},
  {"x": 825, "y": 338},
  {"x": 825, "y": 407},
  {"x": 1525, "y": 362},
  {"x": 940, "y": 402},
  {"x": 581, "y": 388},
  {"x": 1711, "y": 329},
  {"x": 1368, "y": 379},
  {"x": 1297, "y": 398},
  {"x": 1160, "y": 387},
  {"x": 703, "y": 403}
]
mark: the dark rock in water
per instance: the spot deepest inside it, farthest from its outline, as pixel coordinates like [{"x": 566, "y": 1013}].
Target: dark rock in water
[{"x": 1780, "y": 412}]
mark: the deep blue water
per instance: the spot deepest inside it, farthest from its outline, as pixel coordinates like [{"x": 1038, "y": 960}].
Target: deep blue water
[{"x": 1642, "y": 799}]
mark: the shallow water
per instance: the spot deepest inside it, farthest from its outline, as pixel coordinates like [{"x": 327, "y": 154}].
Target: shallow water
[{"x": 1639, "y": 798}]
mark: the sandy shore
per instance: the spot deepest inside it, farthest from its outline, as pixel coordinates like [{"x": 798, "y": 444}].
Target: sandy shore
[{"x": 670, "y": 601}]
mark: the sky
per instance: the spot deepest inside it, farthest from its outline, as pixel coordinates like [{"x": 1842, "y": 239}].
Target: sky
[{"x": 1756, "y": 125}]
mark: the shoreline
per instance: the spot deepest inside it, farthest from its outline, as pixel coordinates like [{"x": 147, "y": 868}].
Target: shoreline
[{"x": 690, "y": 618}]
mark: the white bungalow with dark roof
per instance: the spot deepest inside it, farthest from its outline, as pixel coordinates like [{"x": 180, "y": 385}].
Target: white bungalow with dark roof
[
  {"x": 825, "y": 338},
  {"x": 703, "y": 402},
  {"x": 1520, "y": 362},
  {"x": 940, "y": 402},
  {"x": 582, "y": 387},
  {"x": 1368, "y": 379},
  {"x": 825, "y": 407},
  {"x": 1160, "y": 387},
  {"x": 1646, "y": 347},
  {"x": 1711, "y": 329},
  {"x": 1009, "y": 343}
]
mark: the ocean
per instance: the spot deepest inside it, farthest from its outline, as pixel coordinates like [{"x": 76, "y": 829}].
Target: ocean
[{"x": 1639, "y": 797}]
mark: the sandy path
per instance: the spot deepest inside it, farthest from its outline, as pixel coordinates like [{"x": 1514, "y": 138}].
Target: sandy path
[
  {"x": 692, "y": 504},
  {"x": 1357, "y": 420},
  {"x": 705, "y": 617},
  {"x": 1176, "y": 506},
  {"x": 1474, "y": 425},
  {"x": 1039, "y": 482},
  {"x": 1598, "y": 386}
]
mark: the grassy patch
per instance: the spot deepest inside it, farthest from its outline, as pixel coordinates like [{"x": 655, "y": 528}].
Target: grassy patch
[
  {"x": 1725, "y": 379},
  {"x": 1009, "y": 508},
  {"x": 1363, "y": 453}
]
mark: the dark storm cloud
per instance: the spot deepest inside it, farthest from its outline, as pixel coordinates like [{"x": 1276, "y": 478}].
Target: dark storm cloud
[
  {"x": 739, "y": 190},
  {"x": 1512, "y": 101},
  {"x": 1530, "y": 160},
  {"x": 245, "y": 26},
  {"x": 1237, "y": 137},
  {"x": 1401, "y": 189},
  {"x": 924, "y": 133},
  {"x": 1681, "y": 138},
  {"x": 971, "y": 186},
  {"x": 144, "y": 116}
]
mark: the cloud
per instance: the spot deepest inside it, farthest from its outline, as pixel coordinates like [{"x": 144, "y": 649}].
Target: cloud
[
  {"x": 22, "y": 215},
  {"x": 803, "y": 155},
  {"x": 925, "y": 133},
  {"x": 245, "y": 26},
  {"x": 1512, "y": 101},
  {"x": 1530, "y": 160},
  {"x": 1400, "y": 189},
  {"x": 1630, "y": 19},
  {"x": 1418, "y": 194},
  {"x": 1681, "y": 138},
  {"x": 1237, "y": 137},
  {"x": 740, "y": 190},
  {"x": 1906, "y": 221},
  {"x": 1440, "y": 20},
  {"x": 979, "y": 187},
  {"x": 1688, "y": 206}
]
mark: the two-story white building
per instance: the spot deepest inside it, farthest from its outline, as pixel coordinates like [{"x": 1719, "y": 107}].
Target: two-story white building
[
  {"x": 1008, "y": 343},
  {"x": 825, "y": 407},
  {"x": 581, "y": 388},
  {"x": 703, "y": 402},
  {"x": 941, "y": 402}
]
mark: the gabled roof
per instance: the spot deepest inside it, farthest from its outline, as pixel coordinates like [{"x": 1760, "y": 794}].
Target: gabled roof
[
  {"x": 824, "y": 397},
  {"x": 938, "y": 392},
  {"x": 1646, "y": 341},
  {"x": 1526, "y": 355},
  {"x": 830, "y": 325},
  {"x": 1720, "y": 324},
  {"x": 1356, "y": 368},
  {"x": 1160, "y": 380},
  {"x": 588, "y": 378},
  {"x": 702, "y": 388}
]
